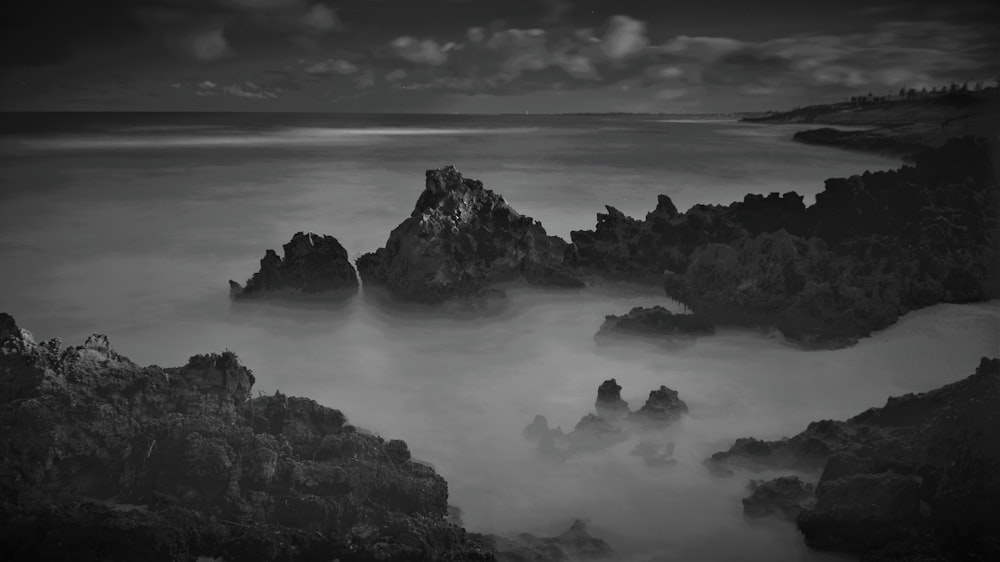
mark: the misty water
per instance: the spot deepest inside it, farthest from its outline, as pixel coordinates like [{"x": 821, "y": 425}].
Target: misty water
[{"x": 132, "y": 225}]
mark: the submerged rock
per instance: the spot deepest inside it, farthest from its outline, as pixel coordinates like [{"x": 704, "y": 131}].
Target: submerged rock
[
  {"x": 575, "y": 544},
  {"x": 656, "y": 322},
  {"x": 785, "y": 496},
  {"x": 870, "y": 249},
  {"x": 918, "y": 477},
  {"x": 312, "y": 265},
  {"x": 107, "y": 460},
  {"x": 460, "y": 239}
]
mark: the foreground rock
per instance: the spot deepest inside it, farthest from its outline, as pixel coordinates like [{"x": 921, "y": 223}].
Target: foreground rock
[
  {"x": 460, "y": 239},
  {"x": 312, "y": 265},
  {"x": 106, "y": 460},
  {"x": 614, "y": 423},
  {"x": 870, "y": 249},
  {"x": 656, "y": 322},
  {"x": 918, "y": 478}
]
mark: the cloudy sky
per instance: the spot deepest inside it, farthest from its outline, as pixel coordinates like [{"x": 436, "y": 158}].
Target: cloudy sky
[{"x": 483, "y": 56}]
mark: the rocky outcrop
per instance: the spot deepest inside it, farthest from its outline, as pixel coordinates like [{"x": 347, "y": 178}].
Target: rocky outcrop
[
  {"x": 785, "y": 496},
  {"x": 870, "y": 249},
  {"x": 614, "y": 423},
  {"x": 662, "y": 408},
  {"x": 460, "y": 239},
  {"x": 107, "y": 460},
  {"x": 656, "y": 322},
  {"x": 918, "y": 477},
  {"x": 609, "y": 402},
  {"x": 312, "y": 265},
  {"x": 576, "y": 544}
]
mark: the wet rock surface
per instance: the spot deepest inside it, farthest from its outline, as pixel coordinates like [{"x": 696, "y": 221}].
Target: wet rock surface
[
  {"x": 461, "y": 239},
  {"x": 107, "y": 460},
  {"x": 313, "y": 265},
  {"x": 917, "y": 479},
  {"x": 785, "y": 496},
  {"x": 872, "y": 247}
]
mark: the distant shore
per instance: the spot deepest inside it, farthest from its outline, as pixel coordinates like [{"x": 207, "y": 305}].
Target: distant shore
[{"x": 902, "y": 128}]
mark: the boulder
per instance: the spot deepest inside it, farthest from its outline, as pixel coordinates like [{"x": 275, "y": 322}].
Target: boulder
[
  {"x": 461, "y": 239},
  {"x": 576, "y": 544},
  {"x": 107, "y": 460},
  {"x": 312, "y": 265}
]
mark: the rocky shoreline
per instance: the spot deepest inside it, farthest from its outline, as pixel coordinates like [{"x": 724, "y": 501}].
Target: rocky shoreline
[
  {"x": 106, "y": 460},
  {"x": 917, "y": 479}
]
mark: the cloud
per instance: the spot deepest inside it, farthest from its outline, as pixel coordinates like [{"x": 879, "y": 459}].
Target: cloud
[
  {"x": 332, "y": 66},
  {"x": 670, "y": 93},
  {"x": 625, "y": 37},
  {"x": 239, "y": 91},
  {"x": 320, "y": 18},
  {"x": 365, "y": 80},
  {"x": 206, "y": 45},
  {"x": 475, "y": 35},
  {"x": 420, "y": 51},
  {"x": 396, "y": 75},
  {"x": 207, "y": 85}
]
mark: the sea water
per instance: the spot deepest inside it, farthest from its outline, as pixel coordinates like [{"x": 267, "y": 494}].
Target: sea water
[{"x": 132, "y": 224}]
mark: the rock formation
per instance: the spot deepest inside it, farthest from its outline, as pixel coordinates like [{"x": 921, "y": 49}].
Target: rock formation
[
  {"x": 609, "y": 402},
  {"x": 460, "y": 239},
  {"x": 918, "y": 478},
  {"x": 614, "y": 423},
  {"x": 870, "y": 249},
  {"x": 662, "y": 408},
  {"x": 106, "y": 460},
  {"x": 656, "y": 322},
  {"x": 575, "y": 544},
  {"x": 312, "y": 265}
]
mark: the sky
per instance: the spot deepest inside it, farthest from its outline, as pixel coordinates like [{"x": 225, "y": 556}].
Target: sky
[{"x": 484, "y": 56}]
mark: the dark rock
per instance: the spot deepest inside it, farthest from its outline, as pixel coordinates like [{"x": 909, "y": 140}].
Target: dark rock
[
  {"x": 106, "y": 460},
  {"x": 871, "y": 248},
  {"x": 537, "y": 430},
  {"x": 575, "y": 544},
  {"x": 594, "y": 433},
  {"x": 662, "y": 408},
  {"x": 785, "y": 496},
  {"x": 918, "y": 477},
  {"x": 459, "y": 240},
  {"x": 657, "y": 322},
  {"x": 312, "y": 265},
  {"x": 609, "y": 400}
]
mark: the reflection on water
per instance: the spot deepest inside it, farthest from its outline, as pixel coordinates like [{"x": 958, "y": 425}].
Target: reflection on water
[{"x": 142, "y": 248}]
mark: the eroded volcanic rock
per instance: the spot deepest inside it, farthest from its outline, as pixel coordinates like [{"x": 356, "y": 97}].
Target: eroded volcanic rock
[
  {"x": 656, "y": 322},
  {"x": 918, "y": 478},
  {"x": 107, "y": 460},
  {"x": 312, "y": 265},
  {"x": 871, "y": 248},
  {"x": 460, "y": 239}
]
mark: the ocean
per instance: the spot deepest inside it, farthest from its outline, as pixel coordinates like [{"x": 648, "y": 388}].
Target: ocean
[{"x": 132, "y": 224}]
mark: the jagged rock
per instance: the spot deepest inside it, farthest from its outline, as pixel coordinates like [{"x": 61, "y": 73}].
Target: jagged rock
[
  {"x": 576, "y": 544},
  {"x": 106, "y": 460},
  {"x": 662, "y": 408},
  {"x": 459, "y": 240},
  {"x": 594, "y": 433},
  {"x": 870, "y": 249},
  {"x": 609, "y": 402},
  {"x": 655, "y": 453},
  {"x": 657, "y": 322},
  {"x": 312, "y": 265},
  {"x": 920, "y": 475},
  {"x": 537, "y": 429},
  {"x": 785, "y": 496}
]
